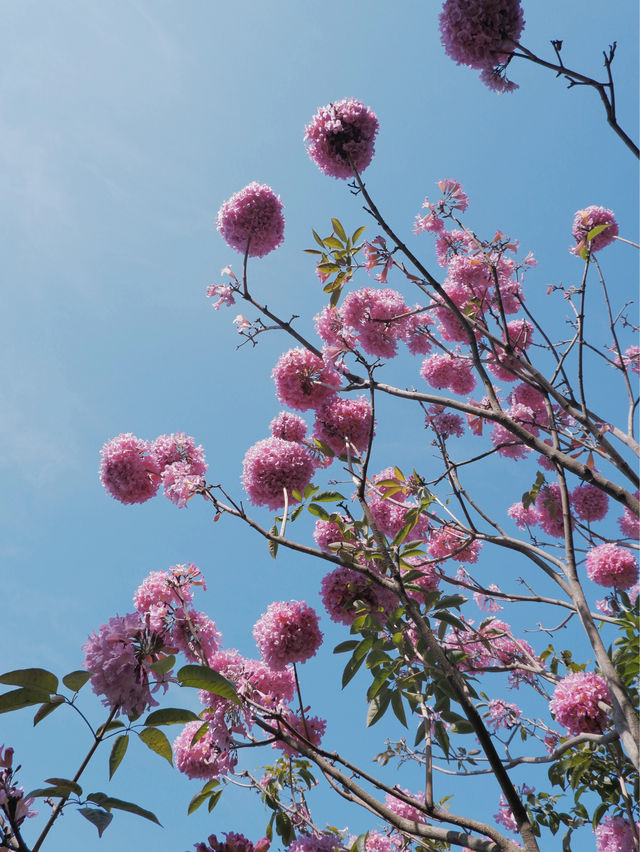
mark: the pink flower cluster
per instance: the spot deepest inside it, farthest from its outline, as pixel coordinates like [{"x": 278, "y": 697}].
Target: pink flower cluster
[
  {"x": 234, "y": 843},
  {"x": 312, "y": 843},
  {"x": 482, "y": 34},
  {"x": 502, "y": 714},
  {"x": 505, "y": 815},
  {"x": 289, "y": 427},
  {"x": 131, "y": 469},
  {"x": 273, "y": 466},
  {"x": 576, "y": 703},
  {"x": 344, "y": 425},
  {"x": 288, "y": 632},
  {"x": 252, "y": 217},
  {"x": 13, "y": 804},
  {"x": 616, "y": 834},
  {"x": 546, "y": 511},
  {"x": 303, "y": 380},
  {"x": 372, "y": 313},
  {"x": 610, "y": 565},
  {"x": 115, "y": 657},
  {"x": 342, "y": 587},
  {"x": 312, "y": 729},
  {"x": 210, "y": 756},
  {"x": 630, "y": 359},
  {"x": 448, "y": 542},
  {"x": 163, "y": 592},
  {"x": 589, "y": 218},
  {"x": 341, "y": 137},
  {"x": 448, "y": 371},
  {"x": 589, "y": 503},
  {"x": 629, "y": 523},
  {"x": 491, "y": 646},
  {"x": 403, "y": 809}
]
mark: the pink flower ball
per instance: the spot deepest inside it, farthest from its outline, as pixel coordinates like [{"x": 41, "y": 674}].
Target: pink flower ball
[
  {"x": 303, "y": 380},
  {"x": 481, "y": 34},
  {"x": 326, "y": 533},
  {"x": 288, "y": 632},
  {"x": 289, "y": 427},
  {"x": 372, "y": 312},
  {"x": 342, "y": 587},
  {"x": 169, "y": 449},
  {"x": 163, "y": 592},
  {"x": 311, "y": 843},
  {"x": 313, "y": 731},
  {"x": 126, "y": 471},
  {"x": 549, "y": 507},
  {"x": 344, "y": 425},
  {"x": 273, "y": 465},
  {"x": 444, "y": 423},
  {"x": 609, "y": 565},
  {"x": 524, "y": 517},
  {"x": 629, "y": 524},
  {"x": 575, "y": 703},
  {"x": 630, "y": 359},
  {"x": 275, "y": 685},
  {"x": 448, "y": 371},
  {"x": 339, "y": 134},
  {"x": 589, "y": 218},
  {"x": 400, "y": 807},
  {"x": 253, "y": 215},
  {"x": 447, "y": 542},
  {"x": 196, "y": 635},
  {"x": 589, "y": 502},
  {"x": 209, "y": 757},
  {"x": 117, "y": 674},
  {"x": 615, "y": 834}
]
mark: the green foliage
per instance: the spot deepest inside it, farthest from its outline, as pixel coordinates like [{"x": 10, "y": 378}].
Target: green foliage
[
  {"x": 108, "y": 803},
  {"x": 209, "y": 794},
  {"x": 157, "y": 741},
  {"x": 202, "y": 677},
  {"x": 337, "y": 257},
  {"x": 76, "y": 680},
  {"x": 118, "y": 751}
]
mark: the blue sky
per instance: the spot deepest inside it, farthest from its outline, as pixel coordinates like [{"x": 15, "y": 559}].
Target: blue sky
[{"x": 123, "y": 128}]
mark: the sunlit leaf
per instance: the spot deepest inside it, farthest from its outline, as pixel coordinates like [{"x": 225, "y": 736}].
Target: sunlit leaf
[
  {"x": 171, "y": 716},
  {"x": 157, "y": 741},
  {"x": 108, "y": 802},
  {"x": 76, "y": 680},
  {"x": 48, "y": 707},
  {"x": 37, "y": 678},
  {"x": 117, "y": 753}
]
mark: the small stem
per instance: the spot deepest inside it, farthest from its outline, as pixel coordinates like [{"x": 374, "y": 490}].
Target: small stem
[{"x": 304, "y": 720}]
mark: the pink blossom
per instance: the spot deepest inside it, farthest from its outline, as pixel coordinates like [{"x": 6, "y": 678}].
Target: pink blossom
[
  {"x": 486, "y": 602},
  {"x": 448, "y": 371},
  {"x": 311, "y": 729},
  {"x": 372, "y": 314},
  {"x": 629, "y": 523},
  {"x": 181, "y": 464},
  {"x": 524, "y": 517},
  {"x": 126, "y": 471},
  {"x": 196, "y": 635},
  {"x": 114, "y": 655},
  {"x": 448, "y": 542},
  {"x": 630, "y": 359},
  {"x": 403, "y": 809},
  {"x": 303, "y": 380},
  {"x": 328, "y": 532},
  {"x": 508, "y": 444},
  {"x": 491, "y": 646},
  {"x": 163, "y": 592},
  {"x": 288, "y": 632},
  {"x": 429, "y": 579},
  {"x": 589, "y": 218},
  {"x": 342, "y": 587},
  {"x": 180, "y": 483},
  {"x": 276, "y": 685},
  {"x": 449, "y": 244},
  {"x": 417, "y": 333},
  {"x": 575, "y": 703},
  {"x": 210, "y": 757},
  {"x": 610, "y": 565},
  {"x": 233, "y": 843},
  {"x": 505, "y": 815},
  {"x": 272, "y": 466},
  {"x": 443, "y": 422},
  {"x": 344, "y": 425},
  {"x": 253, "y": 216},
  {"x": 589, "y": 502},
  {"x": 224, "y": 292},
  {"x": 288, "y": 427},
  {"x": 527, "y": 395},
  {"x": 341, "y": 137},
  {"x": 616, "y": 834},
  {"x": 330, "y": 326},
  {"x": 378, "y": 842},
  {"x": 313, "y": 843},
  {"x": 482, "y": 35},
  {"x": 549, "y": 508},
  {"x": 502, "y": 714}
]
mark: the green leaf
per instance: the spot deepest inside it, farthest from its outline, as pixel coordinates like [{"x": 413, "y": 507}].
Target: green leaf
[
  {"x": 440, "y": 733},
  {"x": 332, "y": 242},
  {"x": 48, "y": 707},
  {"x": 328, "y": 268},
  {"x": 117, "y": 753},
  {"x": 451, "y": 600},
  {"x": 19, "y": 698},
  {"x": 593, "y": 233},
  {"x": 171, "y": 716},
  {"x": 357, "y": 234},
  {"x": 201, "y": 677},
  {"x": 273, "y": 545},
  {"x": 328, "y": 497},
  {"x": 398, "y": 708},
  {"x": 119, "y": 804},
  {"x": 349, "y": 645},
  {"x": 103, "y": 729},
  {"x": 199, "y": 734},
  {"x": 57, "y": 791},
  {"x": 420, "y": 733},
  {"x": 198, "y": 800},
  {"x": 67, "y": 784},
  {"x": 350, "y": 670},
  {"x": 36, "y": 678},
  {"x": 339, "y": 230},
  {"x": 157, "y": 741},
  {"x": 214, "y": 798},
  {"x": 163, "y": 665},
  {"x": 76, "y": 680},
  {"x": 99, "y": 818},
  {"x": 462, "y": 727},
  {"x": 318, "y": 511},
  {"x": 317, "y": 239},
  {"x": 378, "y": 707},
  {"x": 445, "y": 616}
]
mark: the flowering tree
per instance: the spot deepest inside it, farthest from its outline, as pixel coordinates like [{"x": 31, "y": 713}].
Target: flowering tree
[{"x": 408, "y": 556}]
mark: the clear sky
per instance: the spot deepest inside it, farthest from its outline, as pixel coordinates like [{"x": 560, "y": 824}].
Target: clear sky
[{"x": 123, "y": 126}]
